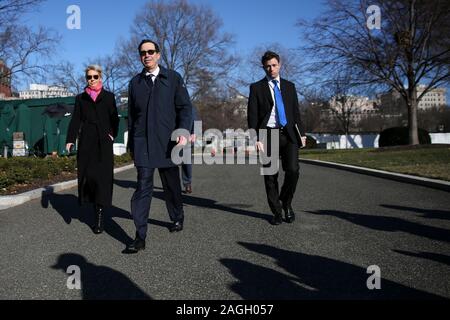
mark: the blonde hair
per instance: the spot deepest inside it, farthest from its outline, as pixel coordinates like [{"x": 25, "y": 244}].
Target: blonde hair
[{"x": 94, "y": 67}]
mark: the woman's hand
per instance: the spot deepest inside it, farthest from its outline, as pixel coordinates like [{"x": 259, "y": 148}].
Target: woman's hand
[{"x": 68, "y": 146}]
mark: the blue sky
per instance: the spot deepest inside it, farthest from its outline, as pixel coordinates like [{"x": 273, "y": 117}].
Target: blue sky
[{"x": 103, "y": 22}]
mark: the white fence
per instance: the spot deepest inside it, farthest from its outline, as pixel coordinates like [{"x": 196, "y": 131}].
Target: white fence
[{"x": 353, "y": 141}]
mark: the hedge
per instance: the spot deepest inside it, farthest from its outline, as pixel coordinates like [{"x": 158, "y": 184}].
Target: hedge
[{"x": 20, "y": 170}]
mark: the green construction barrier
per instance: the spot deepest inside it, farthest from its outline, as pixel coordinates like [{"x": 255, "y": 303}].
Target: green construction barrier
[
  {"x": 123, "y": 126},
  {"x": 43, "y": 133},
  {"x": 30, "y": 119},
  {"x": 8, "y": 123}
]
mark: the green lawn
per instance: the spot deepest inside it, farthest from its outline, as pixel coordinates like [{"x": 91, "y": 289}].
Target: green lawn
[{"x": 431, "y": 161}]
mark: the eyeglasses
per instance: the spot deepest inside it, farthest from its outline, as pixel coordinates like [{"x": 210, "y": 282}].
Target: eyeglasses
[
  {"x": 93, "y": 77},
  {"x": 144, "y": 52}
]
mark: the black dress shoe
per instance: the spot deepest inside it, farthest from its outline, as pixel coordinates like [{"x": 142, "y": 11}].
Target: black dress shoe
[
  {"x": 276, "y": 220},
  {"x": 98, "y": 226},
  {"x": 137, "y": 245},
  {"x": 176, "y": 226},
  {"x": 289, "y": 214}
]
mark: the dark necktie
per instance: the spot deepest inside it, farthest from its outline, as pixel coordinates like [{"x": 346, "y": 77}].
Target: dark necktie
[{"x": 148, "y": 79}]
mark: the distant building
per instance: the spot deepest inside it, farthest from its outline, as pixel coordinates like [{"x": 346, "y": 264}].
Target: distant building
[
  {"x": 5, "y": 81},
  {"x": 356, "y": 108},
  {"x": 392, "y": 102},
  {"x": 240, "y": 102},
  {"x": 41, "y": 91},
  {"x": 433, "y": 98}
]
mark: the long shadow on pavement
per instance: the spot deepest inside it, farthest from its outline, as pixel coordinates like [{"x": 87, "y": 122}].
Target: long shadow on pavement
[
  {"x": 100, "y": 282},
  {"x": 67, "y": 206},
  {"x": 427, "y": 213},
  {"x": 126, "y": 184},
  {"x": 212, "y": 204},
  {"x": 441, "y": 258},
  {"x": 69, "y": 209},
  {"x": 390, "y": 224},
  {"x": 309, "y": 277}
]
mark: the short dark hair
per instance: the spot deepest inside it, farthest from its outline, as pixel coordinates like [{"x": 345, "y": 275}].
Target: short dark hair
[
  {"x": 148, "y": 41},
  {"x": 268, "y": 55}
]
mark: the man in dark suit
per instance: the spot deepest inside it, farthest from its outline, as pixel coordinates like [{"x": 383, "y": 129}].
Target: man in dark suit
[
  {"x": 273, "y": 105},
  {"x": 186, "y": 168},
  {"x": 158, "y": 104}
]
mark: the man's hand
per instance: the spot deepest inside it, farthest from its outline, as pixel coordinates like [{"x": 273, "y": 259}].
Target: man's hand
[
  {"x": 181, "y": 141},
  {"x": 259, "y": 146},
  {"x": 192, "y": 138},
  {"x": 68, "y": 146}
]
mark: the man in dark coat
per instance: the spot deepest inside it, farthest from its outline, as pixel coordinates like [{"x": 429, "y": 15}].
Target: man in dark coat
[
  {"x": 158, "y": 104},
  {"x": 273, "y": 105}
]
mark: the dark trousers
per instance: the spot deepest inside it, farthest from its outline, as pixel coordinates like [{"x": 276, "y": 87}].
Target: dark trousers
[
  {"x": 186, "y": 173},
  {"x": 289, "y": 161},
  {"x": 142, "y": 197}
]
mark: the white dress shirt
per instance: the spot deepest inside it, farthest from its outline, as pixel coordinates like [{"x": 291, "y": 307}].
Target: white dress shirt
[
  {"x": 155, "y": 73},
  {"x": 273, "y": 121}
]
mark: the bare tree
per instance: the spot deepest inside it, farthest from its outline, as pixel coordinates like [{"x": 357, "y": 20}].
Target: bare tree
[
  {"x": 66, "y": 75},
  {"x": 72, "y": 79},
  {"x": 10, "y": 10},
  {"x": 112, "y": 70},
  {"x": 190, "y": 40},
  {"x": 413, "y": 46},
  {"x": 21, "y": 48},
  {"x": 342, "y": 104}
]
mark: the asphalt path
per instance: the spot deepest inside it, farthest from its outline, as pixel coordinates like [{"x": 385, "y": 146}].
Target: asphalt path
[{"x": 345, "y": 223}]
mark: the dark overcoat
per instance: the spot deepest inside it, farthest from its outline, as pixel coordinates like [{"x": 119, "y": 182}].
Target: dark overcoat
[
  {"x": 92, "y": 123},
  {"x": 153, "y": 114}
]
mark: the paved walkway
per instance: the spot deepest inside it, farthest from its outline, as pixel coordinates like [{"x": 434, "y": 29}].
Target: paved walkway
[{"x": 228, "y": 250}]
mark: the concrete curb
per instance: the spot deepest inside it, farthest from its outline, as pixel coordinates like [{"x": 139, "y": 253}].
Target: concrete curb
[
  {"x": 432, "y": 183},
  {"x": 15, "y": 200}
]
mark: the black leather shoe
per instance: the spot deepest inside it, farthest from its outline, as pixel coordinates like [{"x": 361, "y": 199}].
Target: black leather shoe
[
  {"x": 276, "y": 220},
  {"x": 176, "y": 226},
  {"x": 98, "y": 226},
  {"x": 289, "y": 214},
  {"x": 137, "y": 245}
]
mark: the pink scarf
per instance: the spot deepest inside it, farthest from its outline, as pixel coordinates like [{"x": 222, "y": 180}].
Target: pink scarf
[{"x": 94, "y": 91}]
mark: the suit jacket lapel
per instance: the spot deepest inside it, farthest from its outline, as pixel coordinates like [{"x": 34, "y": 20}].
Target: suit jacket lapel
[
  {"x": 284, "y": 95},
  {"x": 267, "y": 94}
]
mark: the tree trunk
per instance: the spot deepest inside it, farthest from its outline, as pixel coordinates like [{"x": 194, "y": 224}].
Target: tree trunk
[{"x": 412, "y": 117}]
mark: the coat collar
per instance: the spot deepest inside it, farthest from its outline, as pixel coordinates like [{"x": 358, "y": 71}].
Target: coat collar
[
  {"x": 163, "y": 76},
  {"x": 100, "y": 96}
]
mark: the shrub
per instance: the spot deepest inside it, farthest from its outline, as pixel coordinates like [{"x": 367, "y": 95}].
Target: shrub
[
  {"x": 20, "y": 170},
  {"x": 399, "y": 136}
]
